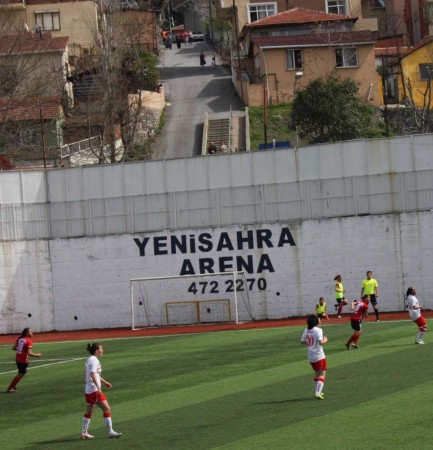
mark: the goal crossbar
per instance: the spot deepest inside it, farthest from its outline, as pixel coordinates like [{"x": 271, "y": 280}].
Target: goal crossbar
[{"x": 150, "y": 302}]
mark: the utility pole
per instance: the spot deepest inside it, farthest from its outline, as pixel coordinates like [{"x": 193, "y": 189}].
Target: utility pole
[{"x": 44, "y": 156}]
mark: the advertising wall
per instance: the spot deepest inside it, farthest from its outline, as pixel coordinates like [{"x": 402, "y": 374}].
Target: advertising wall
[{"x": 83, "y": 283}]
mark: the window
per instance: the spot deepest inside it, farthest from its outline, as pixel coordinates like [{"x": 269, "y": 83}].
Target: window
[
  {"x": 346, "y": 57},
  {"x": 260, "y": 11},
  {"x": 378, "y": 4},
  {"x": 426, "y": 71},
  {"x": 294, "y": 59},
  {"x": 337, "y": 7},
  {"x": 28, "y": 138},
  {"x": 48, "y": 20}
]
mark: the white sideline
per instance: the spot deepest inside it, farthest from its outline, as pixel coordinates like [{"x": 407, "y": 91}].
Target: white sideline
[{"x": 58, "y": 361}]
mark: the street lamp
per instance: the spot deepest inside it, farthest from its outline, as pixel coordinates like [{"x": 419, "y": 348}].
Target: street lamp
[{"x": 298, "y": 76}]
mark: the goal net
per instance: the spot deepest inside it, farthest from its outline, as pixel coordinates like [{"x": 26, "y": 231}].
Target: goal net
[{"x": 189, "y": 299}]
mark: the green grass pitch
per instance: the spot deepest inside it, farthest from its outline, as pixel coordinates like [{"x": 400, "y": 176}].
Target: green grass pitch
[{"x": 229, "y": 390}]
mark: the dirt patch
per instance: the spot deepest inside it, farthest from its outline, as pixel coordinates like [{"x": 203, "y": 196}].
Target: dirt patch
[{"x": 96, "y": 334}]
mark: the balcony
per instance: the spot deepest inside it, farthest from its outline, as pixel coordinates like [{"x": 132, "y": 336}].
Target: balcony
[{"x": 13, "y": 4}]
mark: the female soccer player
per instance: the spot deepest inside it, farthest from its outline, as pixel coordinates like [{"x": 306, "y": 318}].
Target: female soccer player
[
  {"x": 313, "y": 337},
  {"x": 339, "y": 295},
  {"x": 94, "y": 394},
  {"x": 23, "y": 349},
  {"x": 360, "y": 310},
  {"x": 415, "y": 309},
  {"x": 321, "y": 309}
]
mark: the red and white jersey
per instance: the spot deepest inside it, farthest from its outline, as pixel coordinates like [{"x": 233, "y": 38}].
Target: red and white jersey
[
  {"x": 92, "y": 366},
  {"x": 315, "y": 348},
  {"x": 22, "y": 346},
  {"x": 412, "y": 301},
  {"x": 359, "y": 310}
]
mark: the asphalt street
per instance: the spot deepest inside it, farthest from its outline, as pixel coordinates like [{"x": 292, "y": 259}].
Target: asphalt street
[{"x": 191, "y": 90}]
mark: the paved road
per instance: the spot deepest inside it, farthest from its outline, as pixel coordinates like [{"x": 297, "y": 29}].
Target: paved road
[{"x": 191, "y": 91}]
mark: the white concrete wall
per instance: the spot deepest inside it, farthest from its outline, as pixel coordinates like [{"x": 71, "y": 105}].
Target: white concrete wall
[{"x": 84, "y": 283}]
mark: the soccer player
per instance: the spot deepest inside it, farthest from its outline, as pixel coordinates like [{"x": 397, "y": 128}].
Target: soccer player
[
  {"x": 94, "y": 394},
  {"x": 320, "y": 310},
  {"x": 313, "y": 337},
  {"x": 370, "y": 287},
  {"x": 23, "y": 349},
  {"x": 415, "y": 309},
  {"x": 360, "y": 310},
  {"x": 339, "y": 295}
]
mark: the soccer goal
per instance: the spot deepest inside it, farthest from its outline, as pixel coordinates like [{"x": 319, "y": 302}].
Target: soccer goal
[{"x": 189, "y": 299}]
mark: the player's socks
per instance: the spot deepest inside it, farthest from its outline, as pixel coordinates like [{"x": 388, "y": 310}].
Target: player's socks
[
  {"x": 108, "y": 422},
  {"x": 86, "y": 423},
  {"x": 319, "y": 385}
]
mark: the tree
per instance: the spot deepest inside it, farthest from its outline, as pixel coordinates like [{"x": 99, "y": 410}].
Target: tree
[{"x": 329, "y": 109}]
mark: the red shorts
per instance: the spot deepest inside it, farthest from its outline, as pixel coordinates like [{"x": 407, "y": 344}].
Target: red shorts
[
  {"x": 93, "y": 397},
  {"x": 319, "y": 365},
  {"x": 421, "y": 322}
]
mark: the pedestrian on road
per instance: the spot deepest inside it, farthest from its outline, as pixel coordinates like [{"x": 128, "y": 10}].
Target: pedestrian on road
[
  {"x": 202, "y": 59},
  {"x": 213, "y": 62},
  {"x": 313, "y": 337},
  {"x": 360, "y": 310},
  {"x": 94, "y": 394},
  {"x": 212, "y": 149},
  {"x": 414, "y": 310},
  {"x": 178, "y": 41},
  {"x": 224, "y": 148},
  {"x": 23, "y": 349},
  {"x": 370, "y": 287}
]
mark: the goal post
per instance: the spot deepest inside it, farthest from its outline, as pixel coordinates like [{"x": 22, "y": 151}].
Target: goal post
[{"x": 189, "y": 299}]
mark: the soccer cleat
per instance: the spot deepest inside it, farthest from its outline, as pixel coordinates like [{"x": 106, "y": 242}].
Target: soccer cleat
[
  {"x": 11, "y": 391},
  {"x": 86, "y": 436},
  {"x": 377, "y": 320},
  {"x": 114, "y": 434},
  {"x": 419, "y": 341},
  {"x": 355, "y": 346},
  {"x": 348, "y": 347},
  {"x": 339, "y": 317},
  {"x": 319, "y": 397}
]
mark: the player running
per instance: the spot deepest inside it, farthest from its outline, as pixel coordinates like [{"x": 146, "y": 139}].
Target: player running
[
  {"x": 339, "y": 295},
  {"x": 313, "y": 337},
  {"x": 360, "y": 310},
  {"x": 414, "y": 310},
  {"x": 94, "y": 394},
  {"x": 23, "y": 349}
]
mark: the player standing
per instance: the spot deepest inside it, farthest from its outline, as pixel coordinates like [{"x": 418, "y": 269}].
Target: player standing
[
  {"x": 23, "y": 349},
  {"x": 313, "y": 337},
  {"x": 415, "y": 309},
  {"x": 360, "y": 310},
  {"x": 370, "y": 287},
  {"x": 94, "y": 394}
]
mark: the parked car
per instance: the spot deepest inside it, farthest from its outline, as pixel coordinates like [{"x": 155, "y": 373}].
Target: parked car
[
  {"x": 197, "y": 36},
  {"x": 128, "y": 4}
]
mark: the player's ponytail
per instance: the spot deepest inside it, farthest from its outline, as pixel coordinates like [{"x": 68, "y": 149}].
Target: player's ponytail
[
  {"x": 91, "y": 348},
  {"x": 25, "y": 332}
]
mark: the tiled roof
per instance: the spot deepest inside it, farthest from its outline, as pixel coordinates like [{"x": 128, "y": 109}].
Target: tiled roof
[
  {"x": 315, "y": 40},
  {"x": 30, "y": 108},
  {"x": 25, "y": 43},
  {"x": 298, "y": 16}
]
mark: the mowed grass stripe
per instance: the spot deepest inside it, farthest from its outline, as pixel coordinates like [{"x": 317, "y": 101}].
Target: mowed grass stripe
[{"x": 202, "y": 405}]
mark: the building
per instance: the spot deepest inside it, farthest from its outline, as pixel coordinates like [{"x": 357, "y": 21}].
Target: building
[{"x": 284, "y": 52}]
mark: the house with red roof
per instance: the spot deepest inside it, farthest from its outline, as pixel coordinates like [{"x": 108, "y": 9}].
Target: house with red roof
[
  {"x": 33, "y": 86},
  {"x": 283, "y": 52}
]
